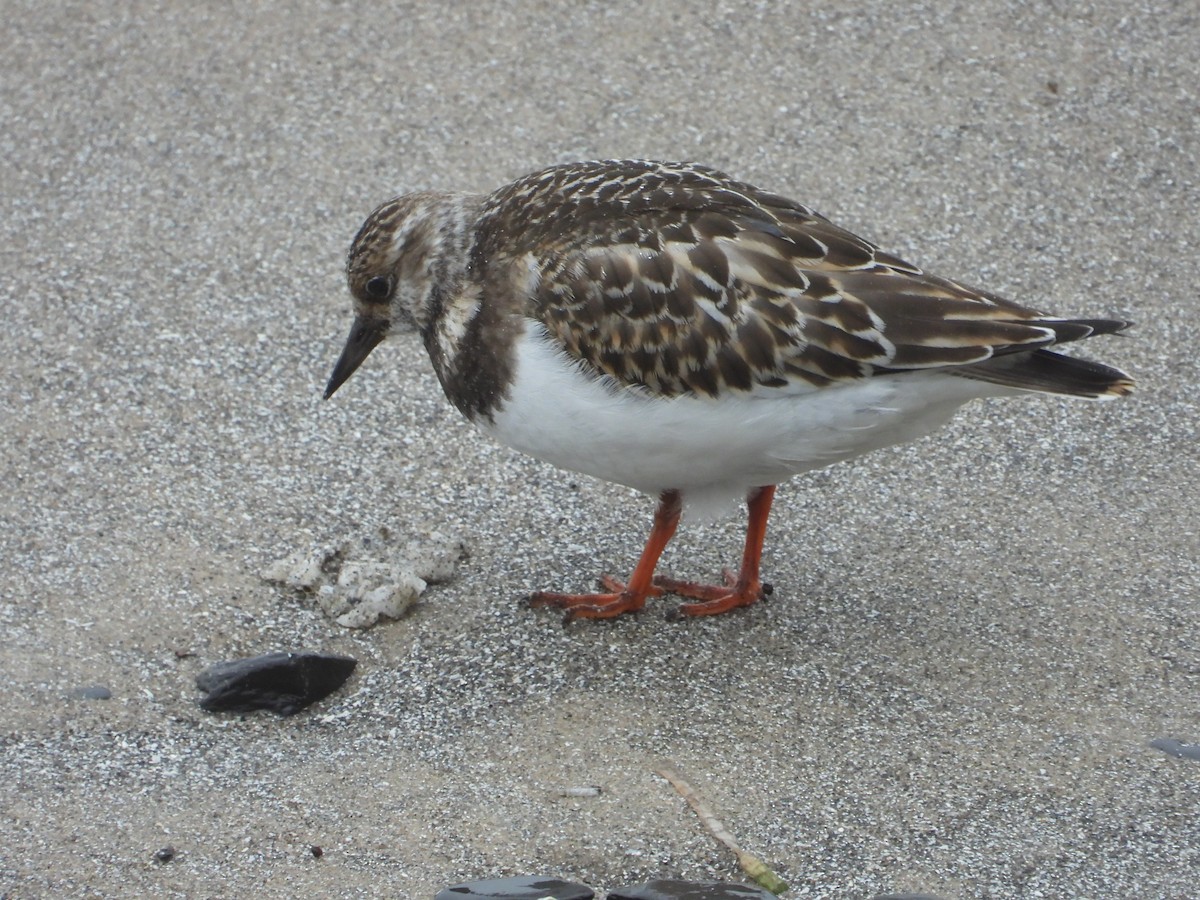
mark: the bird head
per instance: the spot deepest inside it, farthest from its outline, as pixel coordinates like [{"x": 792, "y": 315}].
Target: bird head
[{"x": 409, "y": 254}]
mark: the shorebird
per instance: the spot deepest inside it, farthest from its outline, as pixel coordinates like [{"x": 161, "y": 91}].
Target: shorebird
[{"x": 667, "y": 327}]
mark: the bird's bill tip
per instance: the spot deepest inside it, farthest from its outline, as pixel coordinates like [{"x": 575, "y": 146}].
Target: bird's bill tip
[{"x": 365, "y": 335}]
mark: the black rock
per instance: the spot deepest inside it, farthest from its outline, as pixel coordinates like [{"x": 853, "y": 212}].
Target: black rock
[
  {"x": 524, "y": 887},
  {"x": 690, "y": 890},
  {"x": 165, "y": 855},
  {"x": 284, "y": 683}
]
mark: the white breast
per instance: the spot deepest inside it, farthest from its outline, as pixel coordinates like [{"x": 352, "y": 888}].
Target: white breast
[{"x": 711, "y": 449}]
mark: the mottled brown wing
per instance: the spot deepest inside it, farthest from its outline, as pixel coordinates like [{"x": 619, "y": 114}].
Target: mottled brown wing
[{"x": 681, "y": 280}]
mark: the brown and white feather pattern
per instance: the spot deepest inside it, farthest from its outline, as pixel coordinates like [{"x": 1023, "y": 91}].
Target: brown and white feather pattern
[{"x": 677, "y": 279}]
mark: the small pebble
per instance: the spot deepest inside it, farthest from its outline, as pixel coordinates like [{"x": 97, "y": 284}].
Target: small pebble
[
  {"x": 165, "y": 855},
  {"x": 283, "y": 683},
  {"x": 95, "y": 692},
  {"x": 523, "y": 887},
  {"x": 589, "y": 790},
  {"x": 317, "y": 852}
]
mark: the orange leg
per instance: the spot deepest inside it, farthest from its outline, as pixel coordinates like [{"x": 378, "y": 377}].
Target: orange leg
[
  {"x": 629, "y": 597},
  {"x": 747, "y": 587}
]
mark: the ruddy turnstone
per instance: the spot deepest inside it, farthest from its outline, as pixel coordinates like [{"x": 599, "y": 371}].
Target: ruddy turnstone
[{"x": 666, "y": 327}]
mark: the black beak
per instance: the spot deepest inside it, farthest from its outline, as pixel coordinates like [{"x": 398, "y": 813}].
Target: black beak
[{"x": 365, "y": 335}]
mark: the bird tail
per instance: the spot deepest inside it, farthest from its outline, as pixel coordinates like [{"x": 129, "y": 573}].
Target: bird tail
[{"x": 1047, "y": 372}]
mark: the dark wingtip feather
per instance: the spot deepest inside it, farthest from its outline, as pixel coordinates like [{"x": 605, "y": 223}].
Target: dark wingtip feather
[
  {"x": 1067, "y": 330},
  {"x": 1053, "y": 373}
]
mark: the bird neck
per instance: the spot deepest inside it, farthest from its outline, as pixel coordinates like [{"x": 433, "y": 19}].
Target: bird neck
[{"x": 448, "y": 255}]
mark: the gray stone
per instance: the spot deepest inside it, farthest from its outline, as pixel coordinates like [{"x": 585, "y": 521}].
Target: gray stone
[
  {"x": 522, "y": 887},
  {"x": 666, "y": 889}
]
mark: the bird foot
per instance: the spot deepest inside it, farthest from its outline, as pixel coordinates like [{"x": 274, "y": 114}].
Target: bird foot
[
  {"x": 616, "y": 599},
  {"x": 616, "y": 585},
  {"x": 712, "y": 599}
]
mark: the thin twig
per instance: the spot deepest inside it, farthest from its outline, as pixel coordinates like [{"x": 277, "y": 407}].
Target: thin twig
[{"x": 751, "y": 864}]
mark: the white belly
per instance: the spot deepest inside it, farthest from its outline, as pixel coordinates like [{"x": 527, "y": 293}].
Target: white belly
[{"x": 711, "y": 449}]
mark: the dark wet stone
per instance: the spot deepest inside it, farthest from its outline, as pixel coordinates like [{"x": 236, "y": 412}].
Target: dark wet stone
[
  {"x": 524, "y": 887},
  {"x": 283, "y": 683},
  {"x": 1176, "y": 748},
  {"x": 690, "y": 890},
  {"x": 165, "y": 855}
]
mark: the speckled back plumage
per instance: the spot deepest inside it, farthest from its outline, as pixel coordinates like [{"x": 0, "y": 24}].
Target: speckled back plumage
[
  {"x": 682, "y": 280},
  {"x": 676, "y": 280}
]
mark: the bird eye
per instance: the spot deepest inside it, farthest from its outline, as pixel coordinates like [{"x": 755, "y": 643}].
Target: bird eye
[{"x": 378, "y": 287}]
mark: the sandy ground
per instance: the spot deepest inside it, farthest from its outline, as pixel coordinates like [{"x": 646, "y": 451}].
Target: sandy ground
[{"x": 972, "y": 641}]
